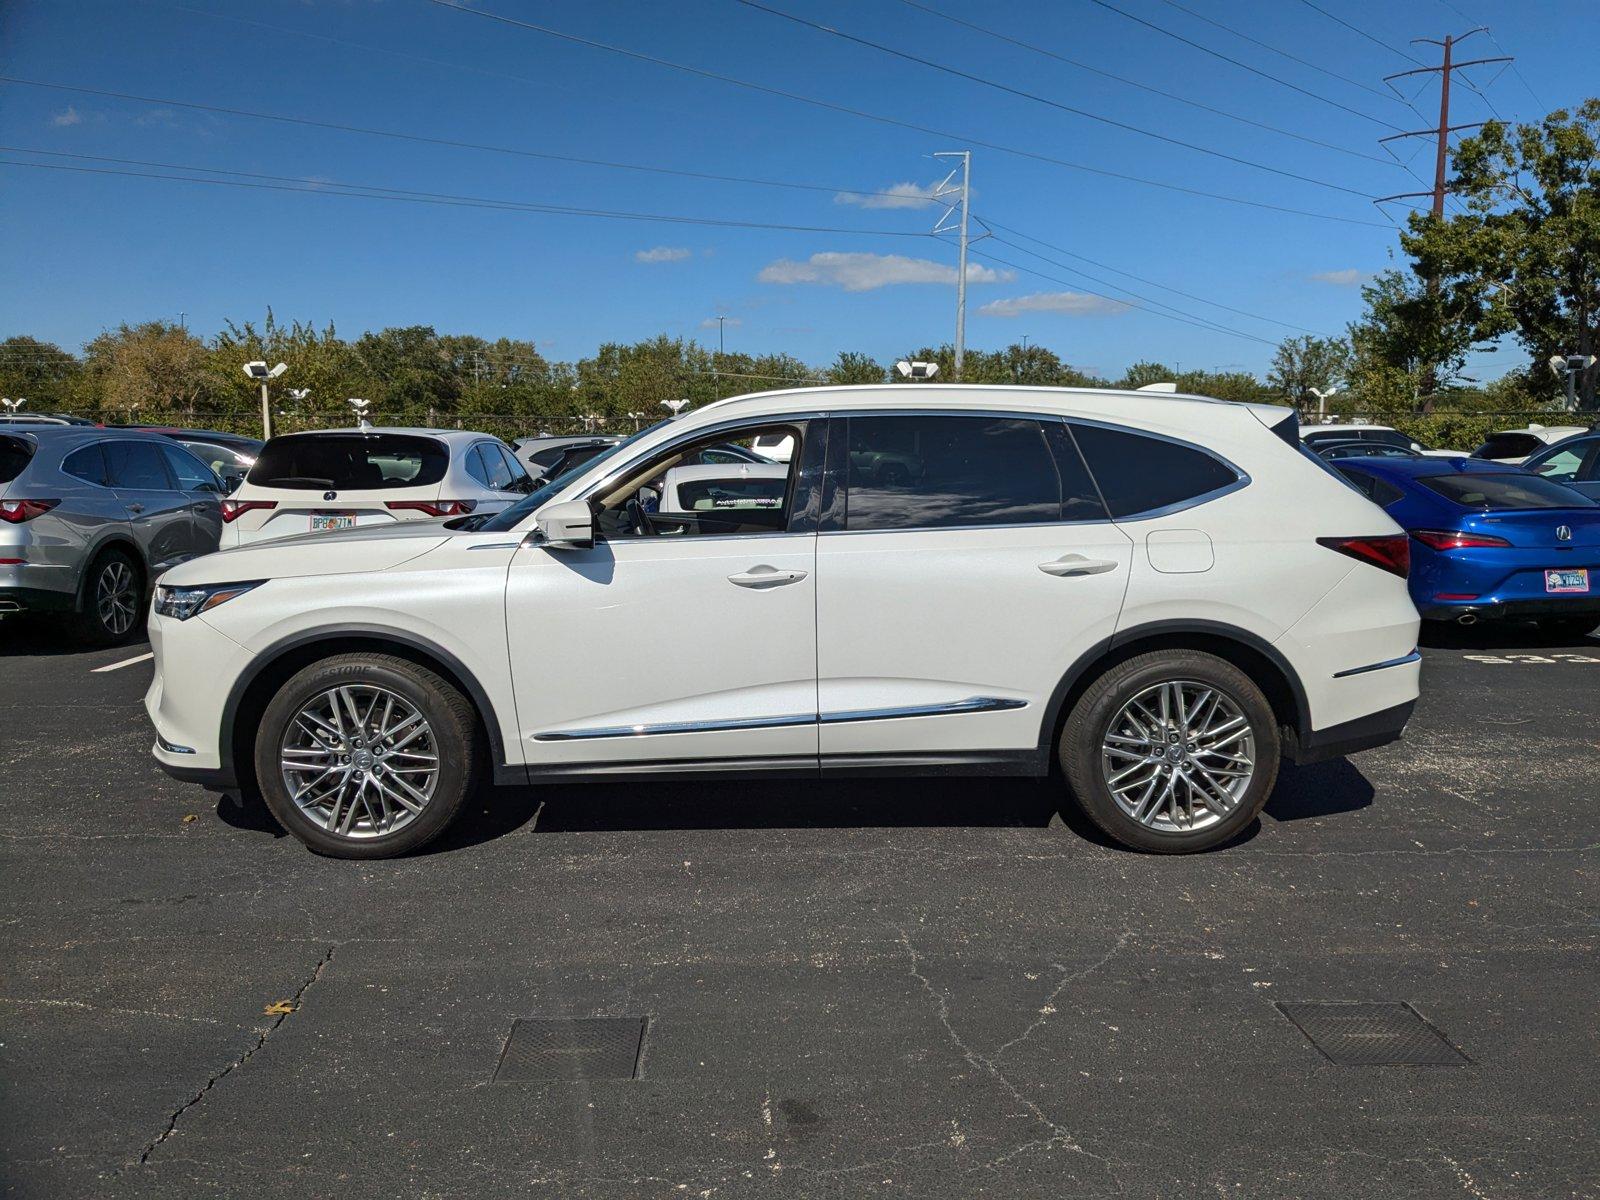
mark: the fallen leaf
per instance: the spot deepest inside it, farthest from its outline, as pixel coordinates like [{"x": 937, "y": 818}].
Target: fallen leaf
[
  {"x": 279, "y": 1008},
  {"x": 189, "y": 818}
]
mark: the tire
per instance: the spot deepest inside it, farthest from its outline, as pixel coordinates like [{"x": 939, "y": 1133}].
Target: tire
[
  {"x": 347, "y": 793},
  {"x": 1568, "y": 627},
  {"x": 1100, "y": 744},
  {"x": 112, "y": 609}
]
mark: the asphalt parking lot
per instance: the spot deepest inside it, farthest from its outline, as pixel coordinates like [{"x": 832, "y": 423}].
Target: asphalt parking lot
[{"x": 926, "y": 988}]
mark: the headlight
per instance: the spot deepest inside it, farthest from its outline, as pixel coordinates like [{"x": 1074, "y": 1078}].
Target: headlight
[{"x": 181, "y": 603}]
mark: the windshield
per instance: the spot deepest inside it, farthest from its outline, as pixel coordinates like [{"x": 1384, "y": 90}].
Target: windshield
[
  {"x": 1504, "y": 491},
  {"x": 510, "y": 518}
]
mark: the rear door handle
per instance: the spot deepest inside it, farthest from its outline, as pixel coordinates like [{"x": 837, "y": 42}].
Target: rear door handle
[
  {"x": 1076, "y": 564},
  {"x": 136, "y": 508},
  {"x": 765, "y": 577}
]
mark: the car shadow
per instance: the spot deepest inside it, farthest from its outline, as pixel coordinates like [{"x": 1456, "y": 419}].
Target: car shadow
[
  {"x": 29, "y": 636},
  {"x": 1320, "y": 790},
  {"x": 1504, "y": 635}
]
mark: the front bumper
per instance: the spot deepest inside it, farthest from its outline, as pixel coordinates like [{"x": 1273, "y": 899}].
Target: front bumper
[{"x": 196, "y": 667}]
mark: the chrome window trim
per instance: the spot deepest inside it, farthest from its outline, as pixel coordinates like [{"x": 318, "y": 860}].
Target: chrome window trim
[
  {"x": 1414, "y": 656},
  {"x": 972, "y": 704},
  {"x": 1241, "y": 477}
]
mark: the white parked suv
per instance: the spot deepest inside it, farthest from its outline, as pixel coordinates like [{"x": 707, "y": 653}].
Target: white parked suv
[
  {"x": 329, "y": 480},
  {"x": 1160, "y": 597}
]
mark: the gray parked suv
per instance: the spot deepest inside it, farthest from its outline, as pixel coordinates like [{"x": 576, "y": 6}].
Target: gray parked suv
[{"x": 90, "y": 517}]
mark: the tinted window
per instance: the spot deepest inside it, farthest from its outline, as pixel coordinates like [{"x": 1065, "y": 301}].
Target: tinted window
[
  {"x": 713, "y": 495},
  {"x": 921, "y": 472},
  {"x": 191, "y": 473},
  {"x": 88, "y": 464},
  {"x": 475, "y": 467},
  {"x": 1512, "y": 490},
  {"x": 1508, "y": 445},
  {"x": 136, "y": 465},
  {"x": 499, "y": 474},
  {"x": 1139, "y": 474},
  {"x": 1389, "y": 437},
  {"x": 14, "y": 455},
  {"x": 350, "y": 461},
  {"x": 224, "y": 460},
  {"x": 544, "y": 458},
  {"x": 1379, "y": 491},
  {"x": 1567, "y": 464}
]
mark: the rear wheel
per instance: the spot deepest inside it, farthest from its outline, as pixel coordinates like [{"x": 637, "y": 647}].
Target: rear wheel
[
  {"x": 1173, "y": 751},
  {"x": 367, "y": 756},
  {"x": 113, "y": 599}
]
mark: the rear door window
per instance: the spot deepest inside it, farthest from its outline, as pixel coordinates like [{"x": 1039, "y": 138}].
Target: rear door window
[
  {"x": 1504, "y": 493},
  {"x": 192, "y": 474},
  {"x": 350, "y": 462},
  {"x": 137, "y": 466},
  {"x": 15, "y": 455},
  {"x": 934, "y": 472},
  {"x": 496, "y": 473},
  {"x": 1140, "y": 475}
]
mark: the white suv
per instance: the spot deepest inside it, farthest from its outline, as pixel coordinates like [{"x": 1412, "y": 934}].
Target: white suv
[
  {"x": 329, "y": 480},
  {"x": 1161, "y": 596}
]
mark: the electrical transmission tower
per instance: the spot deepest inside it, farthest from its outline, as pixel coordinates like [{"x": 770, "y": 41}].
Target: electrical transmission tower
[
  {"x": 949, "y": 188},
  {"x": 1441, "y": 158}
]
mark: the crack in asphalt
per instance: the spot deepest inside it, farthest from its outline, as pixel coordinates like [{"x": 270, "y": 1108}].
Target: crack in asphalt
[{"x": 261, "y": 1040}]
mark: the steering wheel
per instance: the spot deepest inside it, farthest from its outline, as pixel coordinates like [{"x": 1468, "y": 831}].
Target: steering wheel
[{"x": 639, "y": 523}]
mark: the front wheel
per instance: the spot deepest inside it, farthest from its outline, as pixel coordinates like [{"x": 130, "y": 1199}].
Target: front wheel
[
  {"x": 1173, "y": 751},
  {"x": 367, "y": 756}
]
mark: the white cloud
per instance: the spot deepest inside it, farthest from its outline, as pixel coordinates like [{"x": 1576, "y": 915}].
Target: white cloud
[
  {"x": 1348, "y": 277},
  {"x": 711, "y": 322},
  {"x": 1073, "y": 304},
  {"x": 861, "y": 272},
  {"x": 662, "y": 254},
  {"x": 67, "y": 116},
  {"x": 898, "y": 195}
]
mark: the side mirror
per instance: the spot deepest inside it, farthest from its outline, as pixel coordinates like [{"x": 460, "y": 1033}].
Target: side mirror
[{"x": 568, "y": 526}]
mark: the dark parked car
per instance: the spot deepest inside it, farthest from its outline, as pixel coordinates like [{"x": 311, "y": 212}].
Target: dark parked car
[
  {"x": 1574, "y": 461},
  {"x": 90, "y": 517}
]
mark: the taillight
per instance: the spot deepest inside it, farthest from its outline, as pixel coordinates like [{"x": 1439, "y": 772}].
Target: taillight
[
  {"x": 1451, "y": 539},
  {"x": 1391, "y": 553},
  {"x": 18, "y": 511},
  {"x": 434, "y": 508},
  {"x": 232, "y": 510}
]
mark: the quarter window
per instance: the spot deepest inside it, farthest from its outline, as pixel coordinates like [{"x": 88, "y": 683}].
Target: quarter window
[
  {"x": 137, "y": 466},
  {"x": 87, "y": 464},
  {"x": 1140, "y": 474},
  {"x": 921, "y": 472}
]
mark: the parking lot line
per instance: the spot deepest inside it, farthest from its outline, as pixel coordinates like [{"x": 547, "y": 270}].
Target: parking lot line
[{"x": 127, "y": 662}]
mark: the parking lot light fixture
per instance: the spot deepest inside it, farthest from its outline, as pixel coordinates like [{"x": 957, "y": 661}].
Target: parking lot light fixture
[
  {"x": 677, "y": 406},
  {"x": 13, "y": 405},
  {"x": 263, "y": 374},
  {"x": 360, "y": 406},
  {"x": 916, "y": 370}
]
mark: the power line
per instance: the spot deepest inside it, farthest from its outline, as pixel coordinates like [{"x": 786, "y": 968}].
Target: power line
[
  {"x": 1145, "y": 87},
  {"x": 894, "y": 121},
  {"x": 1294, "y": 58},
  {"x": 1405, "y": 54},
  {"x": 1139, "y": 278},
  {"x": 1294, "y": 87},
  {"x": 1199, "y": 323},
  {"x": 373, "y": 192},
  {"x": 1045, "y": 100}
]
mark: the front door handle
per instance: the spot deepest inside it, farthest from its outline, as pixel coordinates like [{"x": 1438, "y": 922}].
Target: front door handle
[
  {"x": 1069, "y": 565},
  {"x": 765, "y": 577}
]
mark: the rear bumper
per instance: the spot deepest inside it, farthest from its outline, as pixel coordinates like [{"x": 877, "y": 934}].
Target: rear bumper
[
  {"x": 1374, "y": 729},
  {"x": 1575, "y": 605},
  {"x": 33, "y": 599}
]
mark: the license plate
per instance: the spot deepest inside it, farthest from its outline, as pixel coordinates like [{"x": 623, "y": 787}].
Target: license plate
[
  {"x": 1567, "y": 581},
  {"x": 322, "y": 522}
]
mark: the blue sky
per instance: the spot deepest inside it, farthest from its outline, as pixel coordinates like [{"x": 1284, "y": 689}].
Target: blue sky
[{"x": 81, "y": 251}]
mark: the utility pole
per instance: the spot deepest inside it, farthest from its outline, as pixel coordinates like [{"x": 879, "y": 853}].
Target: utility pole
[
  {"x": 945, "y": 189},
  {"x": 720, "y": 350},
  {"x": 1441, "y": 154}
]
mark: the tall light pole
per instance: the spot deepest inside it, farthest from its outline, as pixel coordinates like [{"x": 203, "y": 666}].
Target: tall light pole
[
  {"x": 944, "y": 189},
  {"x": 720, "y": 350},
  {"x": 263, "y": 374},
  {"x": 1571, "y": 366}
]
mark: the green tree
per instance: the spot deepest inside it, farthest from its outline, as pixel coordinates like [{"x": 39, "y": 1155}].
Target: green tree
[
  {"x": 854, "y": 367},
  {"x": 1524, "y": 258},
  {"x": 40, "y": 372},
  {"x": 1303, "y": 363},
  {"x": 156, "y": 370}
]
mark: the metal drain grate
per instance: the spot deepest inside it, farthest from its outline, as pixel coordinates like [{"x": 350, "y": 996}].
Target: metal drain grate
[
  {"x": 572, "y": 1048},
  {"x": 1373, "y": 1035}
]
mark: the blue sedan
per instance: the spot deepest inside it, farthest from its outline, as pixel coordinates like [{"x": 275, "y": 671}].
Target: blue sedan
[{"x": 1489, "y": 540}]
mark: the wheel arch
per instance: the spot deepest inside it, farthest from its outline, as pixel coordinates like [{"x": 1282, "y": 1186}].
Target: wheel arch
[
  {"x": 116, "y": 540},
  {"x": 1252, "y": 654},
  {"x": 254, "y": 689}
]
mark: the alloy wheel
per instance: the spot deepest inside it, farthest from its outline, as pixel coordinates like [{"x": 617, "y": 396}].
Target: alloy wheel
[
  {"x": 116, "y": 598},
  {"x": 359, "y": 761},
  {"x": 1179, "y": 756}
]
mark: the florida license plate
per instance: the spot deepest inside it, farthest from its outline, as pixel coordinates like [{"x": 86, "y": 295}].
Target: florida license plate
[
  {"x": 1567, "y": 581},
  {"x": 322, "y": 522}
]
